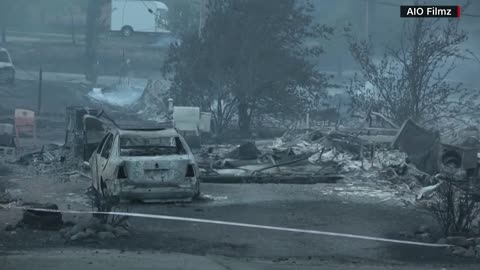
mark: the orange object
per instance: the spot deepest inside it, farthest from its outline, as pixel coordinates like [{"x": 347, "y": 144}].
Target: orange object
[{"x": 25, "y": 123}]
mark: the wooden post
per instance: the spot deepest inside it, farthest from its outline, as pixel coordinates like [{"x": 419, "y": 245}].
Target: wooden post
[{"x": 40, "y": 82}]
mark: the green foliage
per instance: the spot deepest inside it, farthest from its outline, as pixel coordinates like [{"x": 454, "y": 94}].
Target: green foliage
[
  {"x": 253, "y": 54},
  {"x": 183, "y": 15}
]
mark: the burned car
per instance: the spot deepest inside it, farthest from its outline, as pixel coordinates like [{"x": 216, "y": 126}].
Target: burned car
[
  {"x": 7, "y": 70},
  {"x": 154, "y": 165}
]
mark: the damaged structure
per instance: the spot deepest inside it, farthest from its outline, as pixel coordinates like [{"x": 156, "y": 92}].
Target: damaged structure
[{"x": 432, "y": 154}]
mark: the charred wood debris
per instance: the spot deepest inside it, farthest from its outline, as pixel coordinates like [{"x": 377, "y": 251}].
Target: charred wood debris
[{"x": 411, "y": 159}]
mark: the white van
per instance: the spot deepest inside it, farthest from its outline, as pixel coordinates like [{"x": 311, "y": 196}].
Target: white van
[{"x": 129, "y": 16}]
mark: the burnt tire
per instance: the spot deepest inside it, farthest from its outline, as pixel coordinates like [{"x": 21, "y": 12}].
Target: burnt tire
[{"x": 42, "y": 220}]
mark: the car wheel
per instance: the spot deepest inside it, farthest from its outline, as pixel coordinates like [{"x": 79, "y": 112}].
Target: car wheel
[{"x": 127, "y": 31}]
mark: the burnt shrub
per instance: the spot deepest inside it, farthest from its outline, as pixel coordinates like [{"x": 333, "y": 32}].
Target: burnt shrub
[{"x": 455, "y": 207}]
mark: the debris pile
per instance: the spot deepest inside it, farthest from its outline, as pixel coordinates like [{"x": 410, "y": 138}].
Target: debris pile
[
  {"x": 51, "y": 159},
  {"x": 408, "y": 165},
  {"x": 94, "y": 229},
  {"x": 246, "y": 151},
  {"x": 5, "y": 197},
  {"x": 463, "y": 246},
  {"x": 48, "y": 154},
  {"x": 314, "y": 154},
  {"x": 152, "y": 103}
]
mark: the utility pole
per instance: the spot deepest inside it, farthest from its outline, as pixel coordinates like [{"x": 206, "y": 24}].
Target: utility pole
[
  {"x": 367, "y": 19},
  {"x": 4, "y": 6},
  {"x": 91, "y": 49},
  {"x": 370, "y": 12},
  {"x": 40, "y": 88},
  {"x": 203, "y": 13}
]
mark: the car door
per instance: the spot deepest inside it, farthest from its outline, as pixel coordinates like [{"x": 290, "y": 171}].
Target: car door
[
  {"x": 94, "y": 131},
  {"x": 94, "y": 161},
  {"x": 103, "y": 157}
]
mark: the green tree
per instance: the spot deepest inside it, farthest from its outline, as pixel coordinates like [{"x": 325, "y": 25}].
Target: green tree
[
  {"x": 183, "y": 15},
  {"x": 252, "y": 58}
]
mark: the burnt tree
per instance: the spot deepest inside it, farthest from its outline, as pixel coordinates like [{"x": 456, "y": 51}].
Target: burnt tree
[{"x": 411, "y": 80}]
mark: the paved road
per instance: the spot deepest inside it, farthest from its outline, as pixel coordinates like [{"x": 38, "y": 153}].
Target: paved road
[
  {"x": 30, "y": 75},
  {"x": 80, "y": 259},
  {"x": 295, "y": 206},
  {"x": 107, "y": 39}
]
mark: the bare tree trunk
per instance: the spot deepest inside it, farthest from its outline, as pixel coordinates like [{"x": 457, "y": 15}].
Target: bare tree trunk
[
  {"x": 91, "y": 49},
  {"x": 203, "y": 16},
  {"x": 243, "y": 117}
]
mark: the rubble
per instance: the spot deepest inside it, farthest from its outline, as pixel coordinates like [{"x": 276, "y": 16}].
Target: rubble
[
  {"x": 151, "y": 104},
  {"x": 5, "y": 197},
  {"x": 319, "y": 154},
  {"x": 47, "y": 154},
  {"x": 463, "y": 247},
  {"x": 246, "y": 151},
  {"x": 95, "y": 229},
  {"x": 412, "y": 172},
  {"x": 50, "y": 159},
  {"x": 463, "y": 252},
  {"x": 459, "y": 241},
  {"x": 421, "y": 146}
]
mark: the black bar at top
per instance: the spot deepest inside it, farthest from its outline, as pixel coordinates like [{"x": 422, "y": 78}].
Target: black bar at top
[{"x": 430, "y": 11}]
